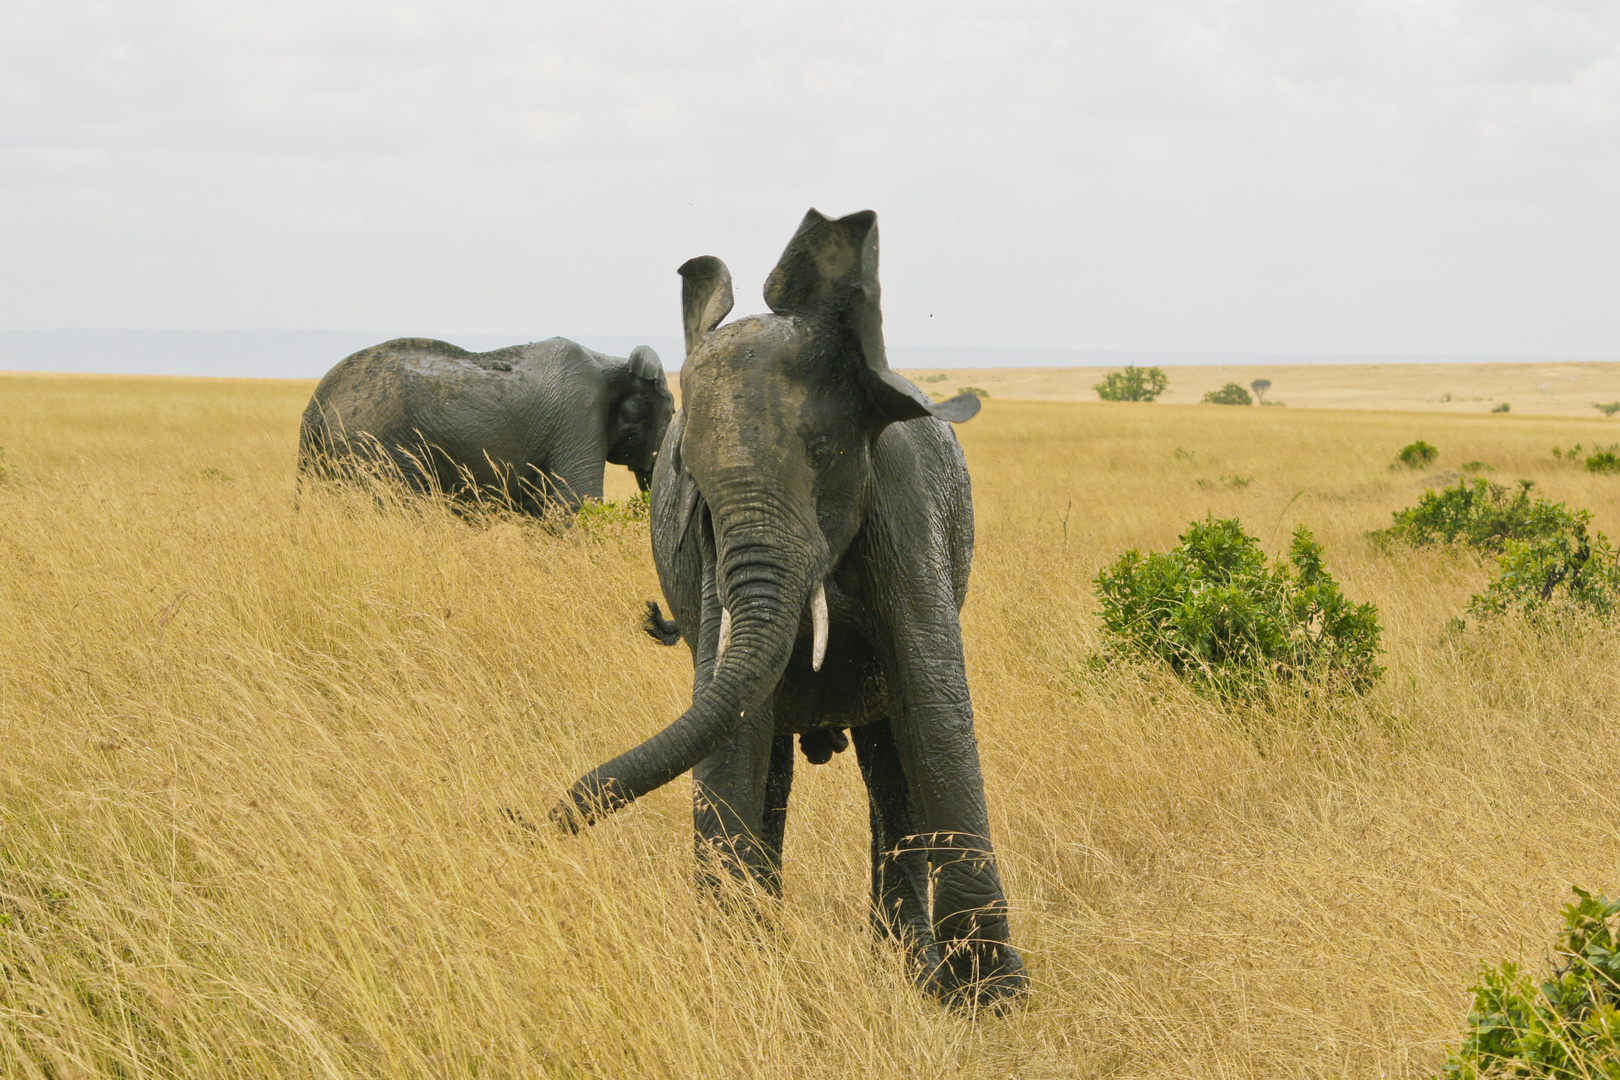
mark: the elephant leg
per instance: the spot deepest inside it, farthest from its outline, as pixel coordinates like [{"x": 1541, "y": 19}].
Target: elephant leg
[
  {"x": 899, "y": 863},
  {"x": 933, "y": 732},
  {"x": 778, "y": 786},
  {"x": 729, "y": 802}
]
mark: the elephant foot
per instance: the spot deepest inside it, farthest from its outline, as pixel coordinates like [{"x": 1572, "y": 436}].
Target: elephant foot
[{"x": 983, "y": 975}]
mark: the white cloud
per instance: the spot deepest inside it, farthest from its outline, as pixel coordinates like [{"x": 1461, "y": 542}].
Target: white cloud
[{"x": 1205, "y": 174}]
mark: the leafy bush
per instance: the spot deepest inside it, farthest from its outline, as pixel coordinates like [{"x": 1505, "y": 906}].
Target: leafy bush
[
  {"x": 1557, "y": 569},
  {"x": 1418, "y": 455},
  {"x": 594, "y": 515},
  {"x": 1503, "y": 407},
  {"x": 1565, "y": 1028},
  {"x": 1603, "y": 461},
  {"x": 1219, "y": 617},
  {"x": 1549, "y": 564},
  {"x": 1133, "y": 384},
  {"x": 1608, "y": 408},
  {"x": 1477, "y": 513},
  {"x": 974, "y": 390},
  {"x": 1230, "y": 394}
]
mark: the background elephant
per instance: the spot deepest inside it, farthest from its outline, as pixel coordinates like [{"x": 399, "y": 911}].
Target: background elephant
[
  {"x": 530, "y": 424},
  {"x": 813, "y": 528}
]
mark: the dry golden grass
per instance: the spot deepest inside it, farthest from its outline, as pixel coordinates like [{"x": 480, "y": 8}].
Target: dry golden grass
[{"x": 255, "y": 756}]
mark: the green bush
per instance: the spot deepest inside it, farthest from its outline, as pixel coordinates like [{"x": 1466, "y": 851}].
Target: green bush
[
  {"x": 974, "y": 390},
  {"x": 1219, "y": 617},
  {"x": 1474, "y": 512},
  {"x": 1558, "y": 569},
  {"x": 1608, "y": 408},
  {"x": 1603, "y": 461},
  {"x": 1230, "y": 394},
  {"x": 595, "y": 515},
  {"x": 1418, "y": 455},
  {"x": 1565, "y": 1028},
  {"x": 1133, "y": 384},
  {"x": 1504, "y": 407}
]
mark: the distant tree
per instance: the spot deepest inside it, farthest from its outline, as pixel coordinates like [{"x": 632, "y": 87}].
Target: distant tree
[
  {"x": 974, "y": 390},
  {"x": 1260, "y": 386},
  {"x": 1504, "y": 407},
  {"x": 1230, "y": 394},
  {"x": 1133, "y": 384},
  {"x": 1608, "y": 408}
]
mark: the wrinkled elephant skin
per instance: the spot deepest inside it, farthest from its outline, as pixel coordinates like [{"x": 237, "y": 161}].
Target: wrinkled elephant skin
[
  {"x": 813, "y": 528},
  {"x": 531, "y": 425}
]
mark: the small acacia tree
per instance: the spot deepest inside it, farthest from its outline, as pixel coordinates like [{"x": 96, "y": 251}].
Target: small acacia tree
[
  {"x": 1133, "y": 384},
  {"x": 1260, "y": 386},
  {"x": 1230, "y": 394}
]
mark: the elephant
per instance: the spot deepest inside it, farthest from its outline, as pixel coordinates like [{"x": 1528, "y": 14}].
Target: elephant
[
  {"x": 812, "y": 529},
  {"x": 530, "y": 425}
]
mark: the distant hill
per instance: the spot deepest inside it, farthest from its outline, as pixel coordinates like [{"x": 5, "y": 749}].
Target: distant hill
[{"x": 309, "y": 354}]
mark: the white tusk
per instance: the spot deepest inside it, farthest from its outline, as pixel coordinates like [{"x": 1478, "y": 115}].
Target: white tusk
[
  {"x": 725, "y": 636},
  {"x": 818, "y": 619}
]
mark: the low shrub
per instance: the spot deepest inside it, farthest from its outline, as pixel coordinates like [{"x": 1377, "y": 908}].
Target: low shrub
[
  {"x": 1475, "y": 512},
  {"x": 1219, "y": 617},
  {"x": 1503, "y": 407},
  {"x": 974, "y": 390},
  {"x": 1604, "y": 461},
  {"x": 1230, "y": 394},
  {"x": 1558, "y": 569},
  {"x": 1566, "y": 1027},
  {"x": 1133, "y": 384},
  {"x": 1418, "y": 455},
  {"x": 1607, "y": 408},
  {"x": 595, "y": 515}
]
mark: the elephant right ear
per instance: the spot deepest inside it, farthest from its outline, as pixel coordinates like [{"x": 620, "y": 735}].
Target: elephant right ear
[
  {"x": 705, "y": 297},
  {"x": 830, "y": 270}
]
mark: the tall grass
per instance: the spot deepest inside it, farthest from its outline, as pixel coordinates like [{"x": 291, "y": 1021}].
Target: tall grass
[{"x": 254, "y": 752}]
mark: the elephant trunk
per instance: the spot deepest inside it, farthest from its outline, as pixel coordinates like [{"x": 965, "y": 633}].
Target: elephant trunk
[{"x": 762, "y": 596}]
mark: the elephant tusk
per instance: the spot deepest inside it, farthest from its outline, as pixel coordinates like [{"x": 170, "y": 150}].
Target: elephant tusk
[
  {"x": 725, "y": 636},
  {"x": 818, "y": 619}
]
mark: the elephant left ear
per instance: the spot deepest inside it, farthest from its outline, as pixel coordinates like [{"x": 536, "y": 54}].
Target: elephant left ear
[
  {"x": 644, "y": 364},
  {"x": 829, "y": 271}
]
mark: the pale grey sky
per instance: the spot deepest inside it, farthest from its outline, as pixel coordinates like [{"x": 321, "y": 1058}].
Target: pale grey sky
[{"x": 1322, "y": 176}]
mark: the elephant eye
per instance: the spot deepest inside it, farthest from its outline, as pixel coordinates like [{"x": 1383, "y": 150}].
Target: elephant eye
[{"x": 819, "y": 452}]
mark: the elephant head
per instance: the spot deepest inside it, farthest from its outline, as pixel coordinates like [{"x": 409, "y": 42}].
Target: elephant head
[
  {"x": 639, "y": 416},
  {"x": 780, "y": 414}
]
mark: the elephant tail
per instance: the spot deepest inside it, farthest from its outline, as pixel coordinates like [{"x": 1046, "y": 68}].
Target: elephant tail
[{"x": 664, "y": 631}]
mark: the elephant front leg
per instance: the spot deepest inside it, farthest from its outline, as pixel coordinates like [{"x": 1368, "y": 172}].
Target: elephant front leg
[
  {"x": 737, "y": 833},
  {"x": 899, "y": 863},
  {"x": 933, "y": 730}
]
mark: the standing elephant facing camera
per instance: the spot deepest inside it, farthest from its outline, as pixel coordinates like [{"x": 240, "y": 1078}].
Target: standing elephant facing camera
[
  {"x": 812, "y": 527},
  {"x": 531, "y": 425}
]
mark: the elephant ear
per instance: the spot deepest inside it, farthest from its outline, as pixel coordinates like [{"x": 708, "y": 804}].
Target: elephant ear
[
  {"x": 829, "y": 271},
  {"x": 705, "y": 297},
  {"x": 645, "y": 365}
]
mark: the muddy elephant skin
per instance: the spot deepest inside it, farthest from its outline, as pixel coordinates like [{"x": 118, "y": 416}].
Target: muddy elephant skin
[
  {"x": 812, "y": 527},
  {"x": 530, "y": 426}
]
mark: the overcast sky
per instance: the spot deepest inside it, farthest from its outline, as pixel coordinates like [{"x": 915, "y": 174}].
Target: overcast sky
[{"x": 1323, "y": 176}]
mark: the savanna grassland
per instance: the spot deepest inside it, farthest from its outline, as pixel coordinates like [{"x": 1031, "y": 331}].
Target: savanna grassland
[{"x": 254, "y": 754}]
